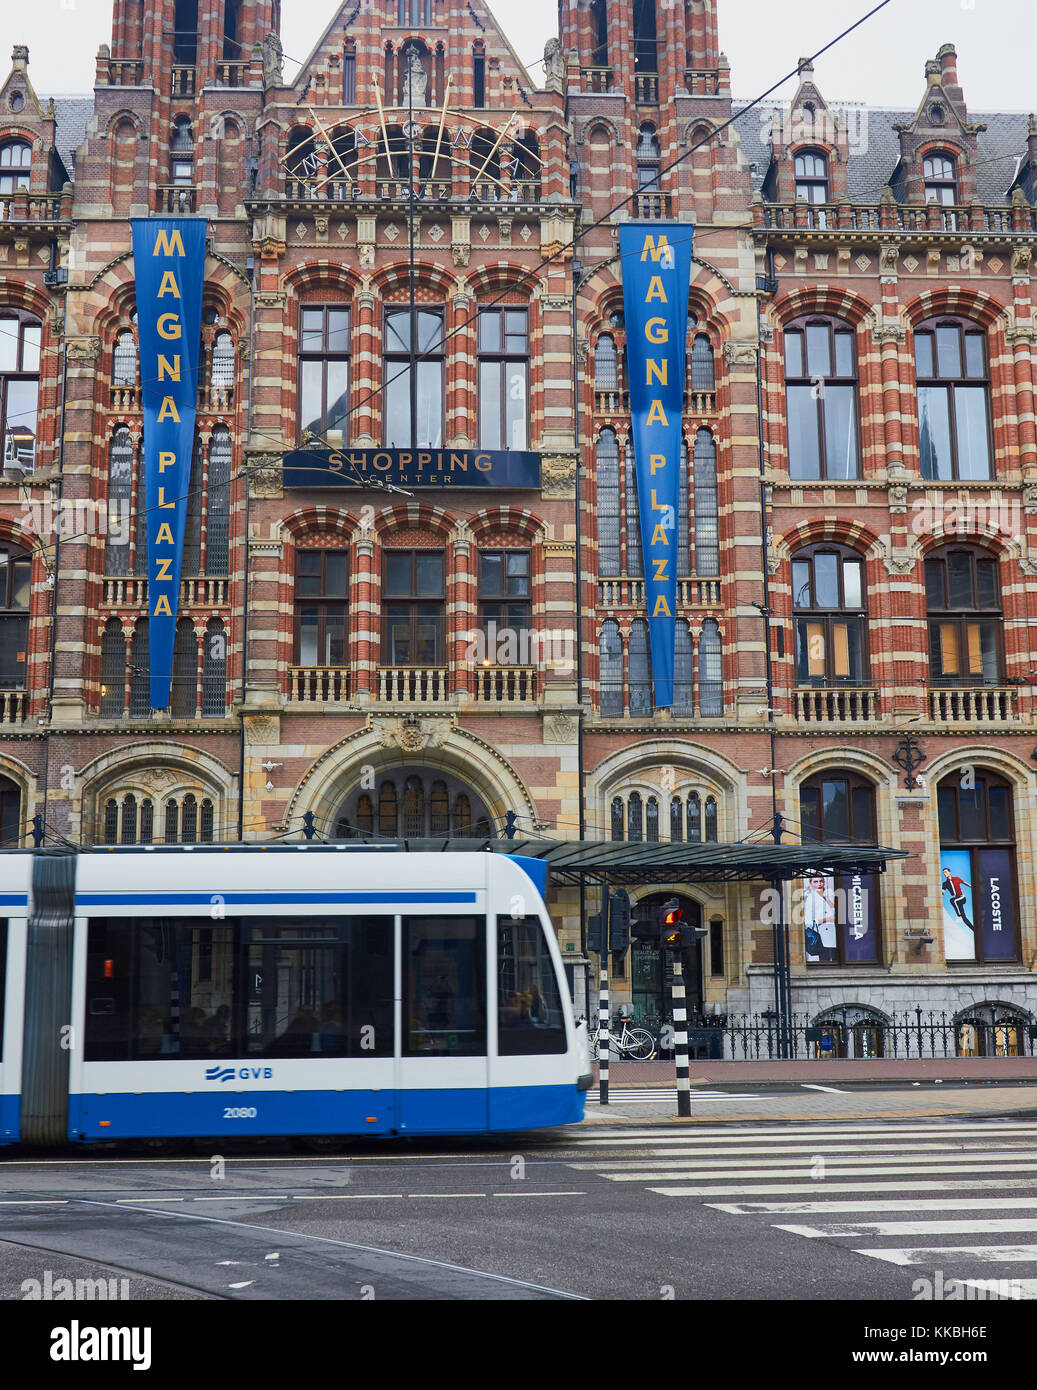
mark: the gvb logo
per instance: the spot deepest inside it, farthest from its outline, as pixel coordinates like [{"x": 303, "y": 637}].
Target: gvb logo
[{"x": 245, "y": 1073}]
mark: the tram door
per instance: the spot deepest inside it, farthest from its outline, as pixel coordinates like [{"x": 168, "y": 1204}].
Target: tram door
[{"x": 443, "y": 1069}]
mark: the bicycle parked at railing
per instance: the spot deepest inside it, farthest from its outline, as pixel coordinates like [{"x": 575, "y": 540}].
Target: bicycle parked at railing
[{"x": 631, "y": 1044}]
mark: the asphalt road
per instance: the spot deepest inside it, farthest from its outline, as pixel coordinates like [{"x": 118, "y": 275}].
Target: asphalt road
[{"x": 820, "y": 1210}]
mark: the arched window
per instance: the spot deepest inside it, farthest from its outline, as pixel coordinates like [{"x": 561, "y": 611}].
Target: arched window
[
  {"x": 840, "y": 912},
  {"x": 19, "y": 388},
  {"x": 683, "y": 532},
  {"x": 811, "y": 170},
  {"x": 617, "y": 818},
  {"x": 635, "y": 564},
  {"x": 124, "y": 360},
  {"x": 646, "y": 57},
  {"x": 683, "y": 671},
  {"x": 640, "y": 675},
  {"x": 599, "y": 57},
  {"x": 15, "y": 590},
  {"x": 821, "y": 396},
  {"x": 113, "y": 671},
  {"x": 707, "y": 523},
  {"x": 128, "y": 834},
  {"x": 694, "y": 818},
  {"x": 607, "y": 487},
  {"x": 439, "y": 809},
  {"x": 181, "y": 161},
  {"x": 977, "y": 867},
  {"x": 635, "y": 826},
  {"x": 828, "y": 598},
  {"x": 953, "y": 400},
  {"x": 703, "y": 372},
  {"x": 711, "y": 819},
  {"x": 301, "y": 159},
  {"x": 15, "y": 168},
  {"x": 651, "y": 819},
  {"x": 147, "y": 822},
  {"x": 606, "y": 364},
  {"x": 140, "y": 671},
  {"x": 221, "y": 370},
  {"x": 485, "y": 166},
  {"x": 610, "y": 660},
  {"x": 10, "y": 814},
  {"x": 413, "y": 807},
  {"x": 214, "y": 670},
  {"x": 387, "y": 821},
  {"x": 526, "y": 166},
  {"x": 648, "y": 158},
  {"x": 111, "y": 822},
  {"x": 963, "y": 606},
  {"x": 192, "y": 554},
  {"x": 676, "y": 819},
  {"x": 941, "y": 183},
  {"x": 217, "y": 504},
  {"x": 365, "y": 814},
  {"x": 711, "y": 676},
  {"x": 461, "y": 821},
  {"x": 189, "y": 820}
]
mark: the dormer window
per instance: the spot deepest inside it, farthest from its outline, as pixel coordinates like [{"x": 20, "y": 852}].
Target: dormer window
[
  {"x": 811, "y": 169},
  {"x": 941, "y": 184},
  {"x": 15, "y": 168}
]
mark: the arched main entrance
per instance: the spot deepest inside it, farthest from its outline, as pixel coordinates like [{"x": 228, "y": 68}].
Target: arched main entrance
[
  {"x": 10, "y": 813},
  {"x": 413, "y": 802}
]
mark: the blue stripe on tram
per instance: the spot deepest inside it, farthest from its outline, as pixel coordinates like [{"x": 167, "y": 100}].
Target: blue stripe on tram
[
  {"x": 111, "y": 899},
  {"x": 9, "y": 1110}
]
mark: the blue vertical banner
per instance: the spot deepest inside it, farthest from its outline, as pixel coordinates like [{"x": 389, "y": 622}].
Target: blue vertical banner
[
  {"x": 169, "y": 270},
  {"x": 656, "y": 261}
]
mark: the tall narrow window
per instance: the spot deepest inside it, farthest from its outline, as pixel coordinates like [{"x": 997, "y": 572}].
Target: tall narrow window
[
  {"x": 635, "y": 825},
  {"x": 606, "y": 364},
  {"x": 10, "y": 835},
  {"x": 694, "y": 818},
  {"x": 217, "y": 512},
  {"x": 648, "y": 159},
  {"x": 707, "y": 525},
  {"x": 19, "y": 389},
  {"x": 181, "y": 151},
  {"x": 321, "y": 601},
  {"x": 478, "y": 75},
  {"x": 683, "y": 520},
  {"x": 15, "y": 587},
  {"x": 349, "y": 77},
  {"x": 324, "y": 352},
  {"x": 646, "y": 46},
  {"x": 607, "y": 487},
  {"x": 413, "y": 385},
  {"x": 651, "y": 819},
  {"x": 113, "y": 670},
  {"x": 963, "y": 605},
  {"x": 711, "y": 677},
  {"x": 683, "y": 674},
  {"x": 140, "y": 671},
  {"x": 610, "y": 661},
  {"x": 828, "y": 599},
  {"x": 505, "y": 611},
  {"x": 711, "y": 819},
  {"x": 821, "y": 394},
  {"x": 221, "y": 370},
  {"x": 414, "y": 607},
  {"x": 124, "y": 360},
  {"x": 120, "y": 495},
  {"x": 703, "y": 372},
  {"x": 978, "y": 868},
  {"x": 640, "y": 676},
  {"x": 953, "y": 400},
  {"x": 635, "y": 564},
  {"x": 676, "y": 819},
  {"x": 617, "y": 826},
  {"x": 192, "y": 558},
  {"x": 214, "y": 670},
  {"x": 503, "y": 378}
]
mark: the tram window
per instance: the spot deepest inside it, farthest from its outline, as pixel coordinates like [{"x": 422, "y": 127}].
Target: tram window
[
  {"x": 320, "y": 988},
  {"x": 3, "y": 980},
  {"x": 529, "y": 1008},
  {"x": 444, "y": 974}
]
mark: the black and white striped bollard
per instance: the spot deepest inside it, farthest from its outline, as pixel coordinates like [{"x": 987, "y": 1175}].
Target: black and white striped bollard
[
  {"x": 680, "y": 1040},
  {"x": 603, "y": 1033}
]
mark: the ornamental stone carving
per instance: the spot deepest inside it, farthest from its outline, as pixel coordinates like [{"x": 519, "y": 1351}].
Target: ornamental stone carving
[
  {"x": 889, "y": 333},
  {"x": 263, "y": 730},
  {"x": 265, "y": 474},
  {"x": 412, "y": 734},
  {"x": 1030, "y": 498},
  {"x": 83, "y": 350},
  {"x": 560, "y": 728},
  {"x": 889, "y": 258},
  {"x": 898, "y": 497},
  {"x": 557, "y": 476},
  {"x": 740, "y": 353}
]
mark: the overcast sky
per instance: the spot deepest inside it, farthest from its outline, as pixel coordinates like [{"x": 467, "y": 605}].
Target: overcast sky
[{"x": 882, "y": 64}]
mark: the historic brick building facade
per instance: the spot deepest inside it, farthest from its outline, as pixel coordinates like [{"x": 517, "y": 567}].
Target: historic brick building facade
[{"x": 860, "y": 498}]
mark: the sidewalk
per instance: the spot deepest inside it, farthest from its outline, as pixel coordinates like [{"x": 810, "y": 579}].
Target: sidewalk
[
  {"x": 928, "y": 1101},
  {"x": 733, "y": 1075}
]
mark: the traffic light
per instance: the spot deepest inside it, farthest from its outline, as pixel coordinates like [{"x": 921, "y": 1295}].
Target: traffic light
[
  {"x": 619, "y": 920},
  {"x": 671, "y": 926},
  {"x": 595, "y": 935}
]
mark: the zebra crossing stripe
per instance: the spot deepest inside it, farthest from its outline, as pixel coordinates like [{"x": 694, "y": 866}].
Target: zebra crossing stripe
[
  {"x": 804, "y": 1134},
  {"x": 1002, "y": 1288},
  {"x": 821, "y": 1150},
  {"x": 734, "y": 1171},
  {"x": 896, "y": 1204},
  {"x": 927, "y": 1254},
  {"x": 778, "y": 1189},
  {"x": 988, "y": 1227}
]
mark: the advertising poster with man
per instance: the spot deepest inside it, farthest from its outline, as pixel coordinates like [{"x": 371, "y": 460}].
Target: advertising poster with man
[{"x": 959, "y": 913}]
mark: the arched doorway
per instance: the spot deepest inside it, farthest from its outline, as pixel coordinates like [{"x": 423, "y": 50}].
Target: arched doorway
[
  {"x": 10, "y": 814},
  {"x": 992, "y": 1030},
  {"x": 850, "y": 1030},
  {"x": 413, "y": 802},
  {"x": 649, "y": 976}
]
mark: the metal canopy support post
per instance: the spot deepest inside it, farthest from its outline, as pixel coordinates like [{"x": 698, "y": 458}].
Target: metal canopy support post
[
  {"x": 680, "y": 1040},
  {"x": 782, "y": 974}
]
